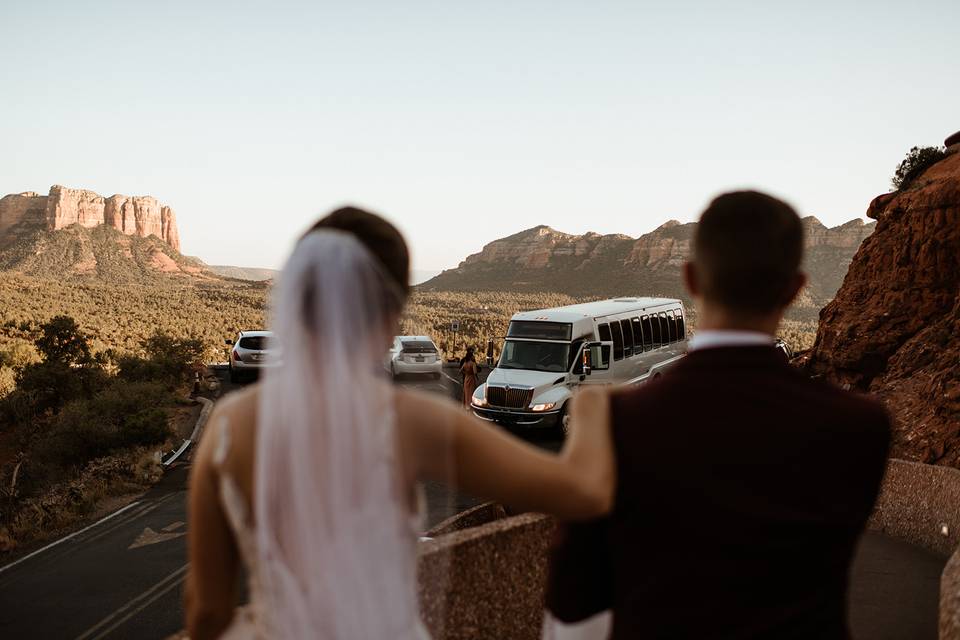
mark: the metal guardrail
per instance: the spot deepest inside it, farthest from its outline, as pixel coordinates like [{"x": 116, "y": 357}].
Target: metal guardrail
[{"x": 197, "y": 430}]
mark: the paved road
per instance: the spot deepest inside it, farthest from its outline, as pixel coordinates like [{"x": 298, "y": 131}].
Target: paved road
[
  {"x": 123, "y": 577},
  {"x": 894, "y": 590}
]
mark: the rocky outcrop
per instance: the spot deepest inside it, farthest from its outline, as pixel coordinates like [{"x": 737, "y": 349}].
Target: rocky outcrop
[
  {"x": 17, "y": 208},
  {"x": 543, "y": 259},
  {"x": 893, "y": 328},
  {"x": 132, "y": 215}
]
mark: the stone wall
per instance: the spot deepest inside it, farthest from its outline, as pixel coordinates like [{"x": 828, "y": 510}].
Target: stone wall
[
  {"x": 920, "y": 504},
  {"x": 487, "y": 581}
]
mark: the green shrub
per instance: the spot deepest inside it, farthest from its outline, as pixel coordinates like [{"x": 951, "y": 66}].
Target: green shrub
[
  {"x": 168, "y": 359},
  {"x": 918, "y": 160},
  {"x": 123, "y": 414},
  {"x": 43, "y": 387}
]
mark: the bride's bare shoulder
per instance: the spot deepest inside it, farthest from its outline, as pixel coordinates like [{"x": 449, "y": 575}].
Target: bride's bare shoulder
[{"x": 236, "y": 411}]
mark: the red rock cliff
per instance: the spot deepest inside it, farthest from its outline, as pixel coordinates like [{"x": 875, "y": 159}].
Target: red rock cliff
[
  {"x": 894, "y": 326},
  {"x": 137, "y": 215}
]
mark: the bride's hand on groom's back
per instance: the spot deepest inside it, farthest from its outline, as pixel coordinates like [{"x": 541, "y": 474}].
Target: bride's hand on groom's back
[{"x": 589, "y": 445}]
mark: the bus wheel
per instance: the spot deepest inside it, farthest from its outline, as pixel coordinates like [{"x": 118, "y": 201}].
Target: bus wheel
[{"x": 563, "y": 424}]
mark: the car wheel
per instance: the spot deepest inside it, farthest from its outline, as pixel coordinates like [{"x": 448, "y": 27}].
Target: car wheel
[{"x": 563, "y": 424}]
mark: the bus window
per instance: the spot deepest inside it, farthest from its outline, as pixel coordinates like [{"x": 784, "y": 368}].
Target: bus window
[
  {"x": 603, "y": 331},
  {"x": 576, "y": 356},
  {"x": 667, "y": 328},
  {"x": 637, "y": 335},
  {"x": 627, "y": 338},
  {"x": 617, "y": 340},
  {"x": 678, "y": 319},
  {"x": 655, "y": 330}
]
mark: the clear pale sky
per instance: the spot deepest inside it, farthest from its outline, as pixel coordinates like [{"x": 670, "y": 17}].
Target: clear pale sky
[{"x": 465, "y": 122}]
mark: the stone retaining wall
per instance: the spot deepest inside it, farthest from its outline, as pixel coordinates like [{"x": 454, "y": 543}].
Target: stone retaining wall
[
  {"x": 920, "y": 504},
  {"x": 487, "y": 581}
]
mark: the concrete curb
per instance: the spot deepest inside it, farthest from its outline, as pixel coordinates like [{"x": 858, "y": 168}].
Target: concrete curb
[{"x": 197, "y": 430}]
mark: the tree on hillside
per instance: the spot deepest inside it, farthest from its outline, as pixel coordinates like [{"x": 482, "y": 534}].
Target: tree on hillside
[
  {"x": 917, "y": 161},
  {"x": 62, "y": 341},
  {"x": 66, "y": 371}
]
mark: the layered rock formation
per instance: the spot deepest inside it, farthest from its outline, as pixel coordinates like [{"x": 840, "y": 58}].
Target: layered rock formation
[
  {"x": 894, "y": 327},
  {"x": 542, "y": 259},
  {"x": 136, "y": 216}
]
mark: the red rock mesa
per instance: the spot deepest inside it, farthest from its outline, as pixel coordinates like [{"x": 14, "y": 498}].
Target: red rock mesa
[{"x": 132, "y": 215}]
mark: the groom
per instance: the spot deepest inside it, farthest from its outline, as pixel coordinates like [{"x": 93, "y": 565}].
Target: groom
[{"x": 742, "y": 485}]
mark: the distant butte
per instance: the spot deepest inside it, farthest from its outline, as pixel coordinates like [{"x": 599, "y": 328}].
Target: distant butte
[{"x": 132, "y": 215}]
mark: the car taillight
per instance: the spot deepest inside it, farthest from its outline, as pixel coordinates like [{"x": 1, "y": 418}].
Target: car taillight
[{"x": 236, "y": 356}]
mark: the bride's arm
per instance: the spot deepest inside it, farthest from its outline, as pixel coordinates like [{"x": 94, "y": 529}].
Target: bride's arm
[
  {"x": 210, "y": 592},
  {"x": 577, "y": 483}
]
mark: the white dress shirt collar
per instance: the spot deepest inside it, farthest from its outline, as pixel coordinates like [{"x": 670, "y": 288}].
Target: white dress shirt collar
[{"x": 713, "y": 338}]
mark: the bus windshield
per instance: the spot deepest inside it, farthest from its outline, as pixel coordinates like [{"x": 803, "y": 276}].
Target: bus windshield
[{"x": 535, "y": 356}]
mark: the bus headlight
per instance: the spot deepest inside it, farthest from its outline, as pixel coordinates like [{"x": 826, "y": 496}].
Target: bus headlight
[
  {"x": 480, "y": 397},
  {"x": 546, "y": 406}
]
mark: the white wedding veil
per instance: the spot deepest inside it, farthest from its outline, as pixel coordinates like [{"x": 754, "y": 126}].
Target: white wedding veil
[{"x": 336, "y": 553}]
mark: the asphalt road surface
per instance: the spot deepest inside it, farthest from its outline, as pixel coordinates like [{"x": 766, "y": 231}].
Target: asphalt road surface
[{"x": 122, "y": 577}]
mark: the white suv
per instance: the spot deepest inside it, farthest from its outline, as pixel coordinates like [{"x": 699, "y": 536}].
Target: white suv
[
  {"x": 414, "y": 354},
  {"x": 251, "y": 352}
]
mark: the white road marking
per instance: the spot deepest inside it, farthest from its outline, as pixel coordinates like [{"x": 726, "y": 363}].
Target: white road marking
[
  {"x": 149, "y": 536},
  {"x": 150, "y": 596},
  {"x": 449, "y": 377},
  {"x": 72, "y": 535}
]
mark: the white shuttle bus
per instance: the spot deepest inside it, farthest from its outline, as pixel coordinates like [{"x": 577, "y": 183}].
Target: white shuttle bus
[{"x": 547, "y": 354}]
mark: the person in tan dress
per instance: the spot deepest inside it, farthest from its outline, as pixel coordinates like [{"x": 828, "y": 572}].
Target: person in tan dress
[{"x": 469, "y": 370}]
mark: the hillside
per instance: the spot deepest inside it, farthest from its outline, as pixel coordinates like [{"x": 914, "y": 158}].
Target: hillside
[
  {"x": 543, "y": 259},
  {"x": 243, "y": 273},
  {"x": 894, "y": 327},
  {"x": 101, "y": 252},
  {"x": 120, "y": 288}
]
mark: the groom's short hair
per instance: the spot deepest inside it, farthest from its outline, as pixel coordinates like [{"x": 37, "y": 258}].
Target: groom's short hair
[{"x": 747, "y": 249}]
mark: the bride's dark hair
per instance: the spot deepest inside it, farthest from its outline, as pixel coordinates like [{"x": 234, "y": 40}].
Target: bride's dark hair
[{"x": 381, "y": 239}]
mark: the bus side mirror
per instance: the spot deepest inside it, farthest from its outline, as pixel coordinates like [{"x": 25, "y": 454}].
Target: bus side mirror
[{"x": 587, "y": 360}]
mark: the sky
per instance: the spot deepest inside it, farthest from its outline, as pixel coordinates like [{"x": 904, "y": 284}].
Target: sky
[{"x": 466, "y": 122}]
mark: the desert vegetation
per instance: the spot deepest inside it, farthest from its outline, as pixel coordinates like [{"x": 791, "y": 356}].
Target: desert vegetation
[
  {"x": 79, "y": 424},
  {"x": 121, "y": 316},
  {"x": 917, "y": 161}
]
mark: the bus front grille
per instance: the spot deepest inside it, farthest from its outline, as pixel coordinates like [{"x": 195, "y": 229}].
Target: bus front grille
[{"x": 509, "y": 398}]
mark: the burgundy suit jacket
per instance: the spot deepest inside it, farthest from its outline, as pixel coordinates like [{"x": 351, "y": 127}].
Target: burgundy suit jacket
[{"x": 743, "y": 487}]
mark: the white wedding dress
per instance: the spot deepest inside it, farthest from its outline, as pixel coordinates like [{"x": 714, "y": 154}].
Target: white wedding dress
[
  {"x": 331, "y": 548},
  {"x": 251, "y": 621}
]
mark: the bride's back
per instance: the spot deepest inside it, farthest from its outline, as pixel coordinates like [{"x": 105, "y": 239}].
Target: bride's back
[{"x": 308, "y": 461}]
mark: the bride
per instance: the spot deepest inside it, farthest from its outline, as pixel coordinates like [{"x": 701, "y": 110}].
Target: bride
[{"x": 309, "y": 479}]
